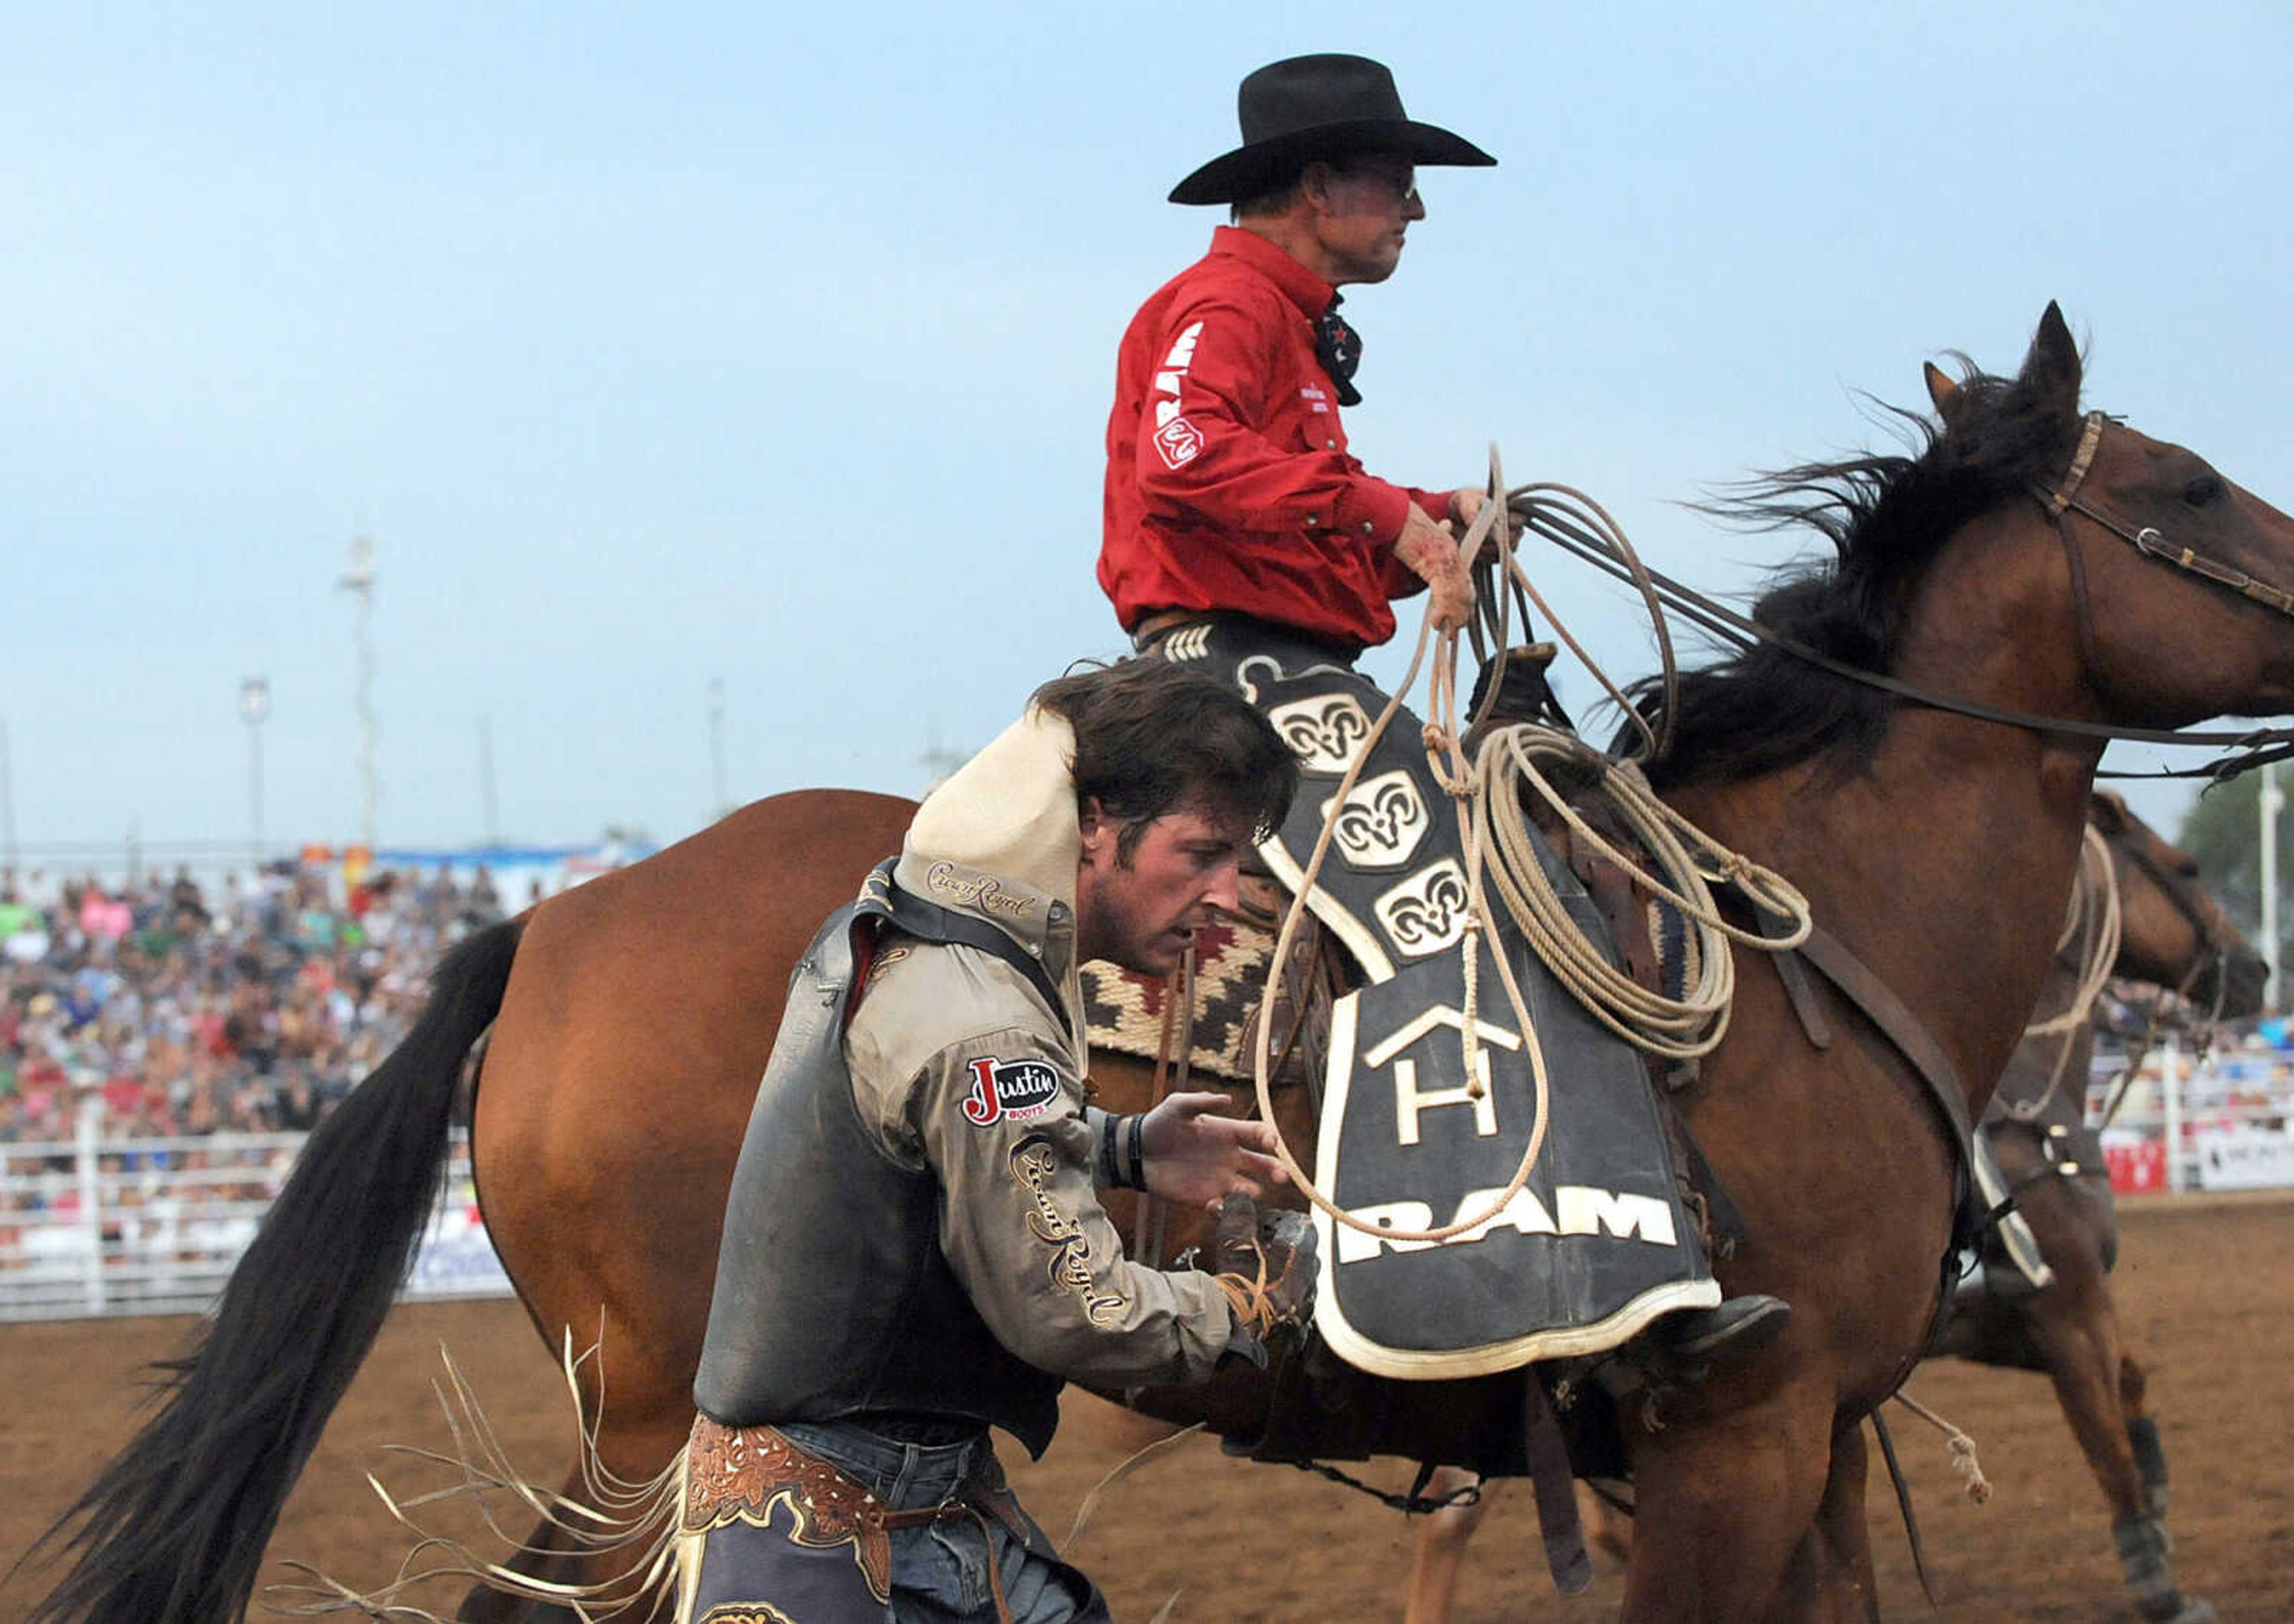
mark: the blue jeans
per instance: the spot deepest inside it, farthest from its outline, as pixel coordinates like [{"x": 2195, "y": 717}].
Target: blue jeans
[{"x": 939, "y": 1571}]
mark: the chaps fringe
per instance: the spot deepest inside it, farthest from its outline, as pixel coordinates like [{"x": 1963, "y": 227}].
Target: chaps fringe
[{"x": 612, "y": 1517}]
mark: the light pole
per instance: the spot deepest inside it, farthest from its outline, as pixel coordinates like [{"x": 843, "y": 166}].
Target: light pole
[
  {"x": 7, "y": 804},
  {"x": 254, "y": 707},
  {"x": 358, "y": 581},
  {"x": 717, "y": 805},
  {"x": 486, "y": 780},
  {"x": 2266, "y": 805}
]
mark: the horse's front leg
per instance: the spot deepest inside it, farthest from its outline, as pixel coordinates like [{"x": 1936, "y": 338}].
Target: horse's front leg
[
  {"x": 1724, "y": 1504},
  {"x": 2077, "y": 1334},
  {"x": 1441, "y": 1546},
  {"x": 1832, "y": 1577}
]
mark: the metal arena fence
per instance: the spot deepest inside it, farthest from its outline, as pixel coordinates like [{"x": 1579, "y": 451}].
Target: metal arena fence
[
  {"x": 92, "y": 1226},
  {"x": 2223, "y": 1120}
]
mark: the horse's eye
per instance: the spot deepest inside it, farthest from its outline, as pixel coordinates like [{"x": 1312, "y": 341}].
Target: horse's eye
[{"x": 2206, "y": 488}]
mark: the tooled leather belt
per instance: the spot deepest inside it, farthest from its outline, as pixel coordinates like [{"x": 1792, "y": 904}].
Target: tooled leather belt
[{"x": 740, "y": 1472}]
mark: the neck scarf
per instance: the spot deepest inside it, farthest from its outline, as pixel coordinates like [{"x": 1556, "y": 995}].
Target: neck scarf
[{"x": 1338, "y": 347}]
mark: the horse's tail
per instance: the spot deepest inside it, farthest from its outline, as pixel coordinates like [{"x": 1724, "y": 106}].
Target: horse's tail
[{"x": 173, "y": 1530}]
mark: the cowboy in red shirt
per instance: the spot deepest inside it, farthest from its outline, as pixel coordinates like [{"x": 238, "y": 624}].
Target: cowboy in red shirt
[
  {"x": 1232, "y": 501},
  {"x": 1230, "y": 485}
]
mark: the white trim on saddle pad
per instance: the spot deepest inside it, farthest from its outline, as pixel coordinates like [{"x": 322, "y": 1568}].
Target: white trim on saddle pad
[
  {"x": 1359, "y": 939},
  {"x": 1576, "y": 1211}
]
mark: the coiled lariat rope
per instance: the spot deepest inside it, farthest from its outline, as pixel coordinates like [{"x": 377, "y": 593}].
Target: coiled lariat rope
[
  {"x": 1494, "y": 826},
  {"x": 2095, "y": 921},
  {"x": 1441, "y": 693},
  {"x": 1677, "y": 1028}
]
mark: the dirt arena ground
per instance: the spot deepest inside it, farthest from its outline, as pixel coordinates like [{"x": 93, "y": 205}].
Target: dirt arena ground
[{"x": 2207, "y": 1289}]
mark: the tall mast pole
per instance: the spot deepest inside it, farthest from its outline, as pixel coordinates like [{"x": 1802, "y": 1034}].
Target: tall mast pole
[
  {"x": 719, "y": 805},
  {"x": 358, "y": 581},
  {"x": 254, "y": 709},
  {"x": 2267, "y": 807},
  {"x": 7, "y": 803}
]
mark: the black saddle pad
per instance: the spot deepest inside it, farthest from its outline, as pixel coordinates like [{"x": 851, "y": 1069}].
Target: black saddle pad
[{"x": 1599, "y": 1241}]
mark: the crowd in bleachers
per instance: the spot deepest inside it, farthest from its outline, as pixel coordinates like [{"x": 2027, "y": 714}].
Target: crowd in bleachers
[{"x": 164, "y": 1008}]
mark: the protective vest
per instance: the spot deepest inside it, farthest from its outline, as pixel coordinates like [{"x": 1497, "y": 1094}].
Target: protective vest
[{"x": 832, "y": 1298}]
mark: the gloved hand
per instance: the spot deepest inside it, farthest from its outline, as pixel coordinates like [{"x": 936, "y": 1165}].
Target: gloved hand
[{"x": 1265, "y": 1266}]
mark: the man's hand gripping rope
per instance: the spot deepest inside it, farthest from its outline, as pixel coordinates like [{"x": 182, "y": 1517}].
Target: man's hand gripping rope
[{"x": 1265, "y": 1268}]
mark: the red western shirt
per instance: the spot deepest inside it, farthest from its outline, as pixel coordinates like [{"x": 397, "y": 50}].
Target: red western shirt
[{"x": 1229, "y": 484}]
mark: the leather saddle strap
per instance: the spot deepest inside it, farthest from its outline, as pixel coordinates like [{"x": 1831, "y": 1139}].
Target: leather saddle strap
[
  {"x": 1146, "y": 1214},
  {"x": 1175, "y": 1053},
  {"x": 1553, "y": 1481},
  {"x": 1912, "y": 1040},
  {"x": 1793, "y": 974}
]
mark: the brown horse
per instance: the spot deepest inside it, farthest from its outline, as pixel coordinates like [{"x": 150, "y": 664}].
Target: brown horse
[
  {"x": 2173, "y": 935},
  {"x": 2176, "y": 937},
  {"x": 1939, "y": 846}
]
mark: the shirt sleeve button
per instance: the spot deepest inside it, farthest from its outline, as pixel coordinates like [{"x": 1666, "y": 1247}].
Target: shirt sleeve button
[
  {"x": 1367, "y": 528},
  {"x": 1330, "y": 445}
]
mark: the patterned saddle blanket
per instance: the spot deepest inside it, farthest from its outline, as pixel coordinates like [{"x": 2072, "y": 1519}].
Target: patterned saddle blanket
[{"x": 1134, "y": 1014}]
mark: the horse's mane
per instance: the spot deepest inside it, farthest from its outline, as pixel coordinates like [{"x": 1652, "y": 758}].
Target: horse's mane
[{"x": 1887, "y": 517}]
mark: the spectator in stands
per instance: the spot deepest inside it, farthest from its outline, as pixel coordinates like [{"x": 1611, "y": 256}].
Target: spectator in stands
[{"x": 255, "y": 1013}]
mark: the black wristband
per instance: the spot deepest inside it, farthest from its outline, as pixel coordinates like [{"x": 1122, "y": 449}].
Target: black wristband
[
  {"x": 1111, "y": 1162},
  {"x": 1135, "y": 1149}
]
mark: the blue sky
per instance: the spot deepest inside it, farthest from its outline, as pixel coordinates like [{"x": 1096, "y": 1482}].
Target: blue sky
[{"x": 659, "y": 345}]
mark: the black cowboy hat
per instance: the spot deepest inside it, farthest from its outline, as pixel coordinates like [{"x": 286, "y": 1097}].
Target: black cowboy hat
[{"x": 1310, "y": 107}]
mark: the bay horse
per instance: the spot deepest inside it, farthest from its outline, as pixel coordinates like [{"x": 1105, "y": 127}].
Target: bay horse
[
  {"x": 2173, "y": 935},
  {"x": 631, "y": 1019}
]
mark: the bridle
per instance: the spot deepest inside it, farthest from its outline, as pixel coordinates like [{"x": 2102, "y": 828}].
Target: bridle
[
  {"x": 2214, "y": 940},
  {"x": 2147, "y": 540}
]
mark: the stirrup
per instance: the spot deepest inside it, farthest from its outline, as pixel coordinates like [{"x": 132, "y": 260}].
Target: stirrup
[{"x": 1737, "y": 1328}]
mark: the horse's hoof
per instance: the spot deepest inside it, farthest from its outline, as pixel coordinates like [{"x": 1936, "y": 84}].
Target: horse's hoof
[{"x": 2186, "y": 1610}]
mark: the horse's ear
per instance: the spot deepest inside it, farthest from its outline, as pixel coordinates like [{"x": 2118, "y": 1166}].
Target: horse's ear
[
  {"x": 1947, "y": 396},
  {"x": 2107, "y": 811},
  {"x": 2052, "y": 370}
]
